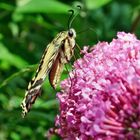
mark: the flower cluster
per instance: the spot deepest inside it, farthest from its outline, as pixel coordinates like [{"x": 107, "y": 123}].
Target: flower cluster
[{"x": 101, "y": 98}]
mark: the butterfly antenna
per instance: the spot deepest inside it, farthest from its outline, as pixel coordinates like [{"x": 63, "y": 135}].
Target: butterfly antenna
[
  {"x": 73, "y": 16},
  {"x": 70, "y": 18}
]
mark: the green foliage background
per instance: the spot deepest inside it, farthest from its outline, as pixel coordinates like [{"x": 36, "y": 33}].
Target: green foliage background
[{"x": 26, "y": 27}]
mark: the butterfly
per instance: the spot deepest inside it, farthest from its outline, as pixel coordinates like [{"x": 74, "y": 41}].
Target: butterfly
[{"x": 56, "y": 55}]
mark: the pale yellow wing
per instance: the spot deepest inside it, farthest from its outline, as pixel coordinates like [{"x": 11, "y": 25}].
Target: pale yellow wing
[
  {"x": 57, "y": 53},
  {"x": 65, "y": 54},
  {"x": 34, "y": 86}
]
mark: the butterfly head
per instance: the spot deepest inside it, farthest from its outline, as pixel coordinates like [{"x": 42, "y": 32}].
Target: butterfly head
[{"x": 71, "y": 33}]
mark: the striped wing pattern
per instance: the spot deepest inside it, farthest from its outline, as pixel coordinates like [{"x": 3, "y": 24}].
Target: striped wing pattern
[{"x": 57, "y": 53}]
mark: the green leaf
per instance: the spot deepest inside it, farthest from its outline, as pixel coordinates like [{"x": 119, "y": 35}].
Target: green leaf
[
  {"x": 6, "y": 81},
  {"x": 11, "y": 59},
  {"x": 15, "y": 136},
  {"x": 47, "y": 105},
  {"x": 14, "y": 29},
  {"x": 36, "y": 115},
  {"x": 6, "y": 6},
  {"x": 43, "y": 6},
  {"x": 96, "y": 3}
]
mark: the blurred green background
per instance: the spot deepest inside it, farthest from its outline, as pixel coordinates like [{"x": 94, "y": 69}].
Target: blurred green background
[{"x": 26, "y": 27}]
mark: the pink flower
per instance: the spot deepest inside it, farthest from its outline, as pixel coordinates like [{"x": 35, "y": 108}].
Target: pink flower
[{"x": 101, "y": 98}]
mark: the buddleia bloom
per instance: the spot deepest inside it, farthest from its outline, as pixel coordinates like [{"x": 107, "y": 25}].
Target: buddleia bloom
[{"x": 101, "y": 98}]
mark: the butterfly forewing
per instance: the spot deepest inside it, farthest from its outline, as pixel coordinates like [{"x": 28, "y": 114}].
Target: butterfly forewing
[{"x": 57, "y": 53}]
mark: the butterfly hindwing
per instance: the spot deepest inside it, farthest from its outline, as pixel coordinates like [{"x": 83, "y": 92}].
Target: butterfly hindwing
[{"x": 55, "y": 73}]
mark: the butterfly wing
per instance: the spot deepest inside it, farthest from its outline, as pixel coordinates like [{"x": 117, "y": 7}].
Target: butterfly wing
[
  {"x": 44, "y": 67},
  {"x": 58, "y": 52},
  {"x": 55, "y": 72},
  {"x": 65, "y": 54}
]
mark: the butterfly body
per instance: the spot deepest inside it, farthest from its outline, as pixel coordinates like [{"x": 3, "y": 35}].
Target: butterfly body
[{"x": 57, "y": 53}]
